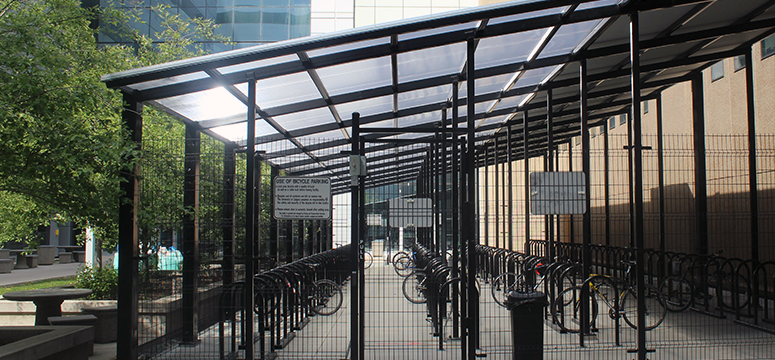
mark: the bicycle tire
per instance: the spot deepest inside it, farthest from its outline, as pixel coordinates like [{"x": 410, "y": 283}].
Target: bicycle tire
[
  {"x": 677, "y": 293},
  {"x": 397, "y": 255},
  {"x": 502, "y": 286},
  {"x": 566, "y": 310},
  {"x": 655, "y": 308},
  {"x": 367, "y": 260},
  {"x": 404, "y": 266},
  {"x": 413, "y": 289},
  {"x": 327, "y": 297}
]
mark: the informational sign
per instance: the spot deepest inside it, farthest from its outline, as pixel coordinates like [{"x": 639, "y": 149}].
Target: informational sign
[
  {"x": 302, "y": 198},
  {"x": 557, "y": 193},
  {"x": 411, "y": 212}
]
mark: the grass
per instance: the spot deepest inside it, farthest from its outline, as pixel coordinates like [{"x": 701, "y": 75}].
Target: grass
[{"x": 38, "y": 284}]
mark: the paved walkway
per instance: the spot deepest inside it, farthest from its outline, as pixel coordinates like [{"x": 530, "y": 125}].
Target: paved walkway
[{"x": 44, "y": 272}]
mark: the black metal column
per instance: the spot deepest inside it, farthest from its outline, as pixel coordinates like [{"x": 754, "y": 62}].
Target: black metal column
[
  {"x": 661, "y": 178},
  {"x": 228, "y": 211},
  {"x": 361, "y": 255},
  {"x": 486, "y": 195},
  {"x": 288, "y": 225},
  {"x": 586, "y": 226},
  {"x": 301, "y": 243},
  {"x": 355, "y": 255},
  {"x": 443, "y": 187},
  {"x": 637, "y": 150},
  {"x": 550, "y": 162},
  {"x": 126, "y": 345},
  {"x": 526, "y": 160},
  {"x": 571, "y": 221},
  {"x": 700, "y": 173},
  {"x": 274, "y": 236},
  {"x": 510, "y": 188},
  {"x": 455, "y": 212},
  {"x": 497, "y": 198},
  {"x": 190, "y": 241},
  {"x": 752, "y": 167},
  {"x": 250, "y": 219},
  {"x": 473, "y": 295},
  {"x": 607, "y": 183}
]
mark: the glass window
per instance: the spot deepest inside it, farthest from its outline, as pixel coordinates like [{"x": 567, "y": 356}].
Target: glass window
[
  {"x": 768, "y": 46},
  {"x": 646, "y": 107},
  {"x": 612, "y": 123},
  {"x": 593, "y": 132},
  {"x": 717, "y": 71},
  {"x": 622, "y": 119},
  {"x": 739, "y": 62}
]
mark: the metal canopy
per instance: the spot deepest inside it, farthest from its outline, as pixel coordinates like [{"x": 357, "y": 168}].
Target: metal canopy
[{"x": 399, "y": 75}]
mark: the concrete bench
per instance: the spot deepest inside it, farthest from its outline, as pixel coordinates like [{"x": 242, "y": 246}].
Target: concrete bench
[
  {"x": 79, "y": 256},
  {"x": 32, "y": 261},
  {"x": 81, "y": 320},
  {"x": 46, "y": 254},
  {"x": 5, "y": 254},
  {"x": 105, "y": 329},
  {"x": 6, "y": 265},
  {"x": 65, "y": 257}
]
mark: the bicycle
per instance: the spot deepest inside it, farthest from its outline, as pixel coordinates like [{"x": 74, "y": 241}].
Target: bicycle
[
  {"x": 414, "y": 288},
  {"x": 604, "y": 289},
  {"x": 404, "y": 264},
  {"x": 507, "y": 282},
  {"x": 367, "y": 260},
  {"x": 323, "y": 296},
  {"x": 680, "y": 291}
]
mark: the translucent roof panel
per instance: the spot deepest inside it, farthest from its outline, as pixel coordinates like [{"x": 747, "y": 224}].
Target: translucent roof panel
[
  {"x": 206, "y": 105},
  {"x": 441, "y": 30},
  {"x": 238, "y": 132},
  {"x": 486, "y": 85},
  {"x": 415, "y": 98},
  {"x": 510, "y": 102},
  {"x": 436, "y": 61},
  {"x": 492, "y": 120},
  {"x": 567, "y": 38},
  {"x": 419, "y": 119},
  {"x": 366, "y": 107},
  {"x": 529, "y": 15},
  {"x": 283, "y": 90},
  {"x": 506, "y": 49},
  {"x": 356, "y": 76},
  {"x": 533, "y": 76},
  {"x": 595, "y": 4},
  {"x": 170, "y": 81},
  {"x": 303, "y": 119},
  {"x": 348, "y": 47},
  {"x": 257, "y": 64}
]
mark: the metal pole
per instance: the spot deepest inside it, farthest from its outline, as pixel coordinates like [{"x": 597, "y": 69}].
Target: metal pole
[
  {"x": 586, "y": 228},
  {"x": 127, "y": 313},
  {"x": 190, "y": 248},
  {"x": 607, "y": 184},
  {"x": 752, "y": 167},
  {"x": 250, "y": 218},
  {"x": 354, "y": 243},
  {"x": 661, "y": 176},
  {"x": 361, "y": 262},
  {"x": 526, "y": 160},
  {"x": 473, "y": 296},
  {"x": 497, "y": 198},
  {"x": 638, "y": 167},
  {"x": 700, "y": 174},
  {"x": 509, "y": 158},
  {"x": 228, "y": 213},
  {"x": 550, "y": 156},
  {"x": 455, "y": 213},
  {"x": 486, "y": 196}
]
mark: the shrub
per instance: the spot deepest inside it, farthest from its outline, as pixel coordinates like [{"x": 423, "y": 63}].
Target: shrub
[{"x": 103, "y": 282}]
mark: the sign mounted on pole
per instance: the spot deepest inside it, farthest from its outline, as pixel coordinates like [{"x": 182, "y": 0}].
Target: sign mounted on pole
[
  {"x": 302, "y": 198},
  {"x": 557, "y": 193}
]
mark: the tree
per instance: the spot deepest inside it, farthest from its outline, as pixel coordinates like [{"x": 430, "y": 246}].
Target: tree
[{"x": 64, "y": 140}]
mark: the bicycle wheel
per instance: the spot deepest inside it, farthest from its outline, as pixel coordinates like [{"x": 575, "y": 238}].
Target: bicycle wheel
[
  {"x": 566, "y": 309},
  {"x": 654, "y": 312},
  {"x": 414, "y": 288},
  {"x": 503, "y": 285},
  {"x": 404, "y": 266},
  {"x": 397, "y": 255},
  {"x": 677, "y": 292},
  {"x": 327, "y": 297},
  {"x": 367, "y": 260},
  {"x": 603, "y": 292},
  {"x": 734, "y": 286}
]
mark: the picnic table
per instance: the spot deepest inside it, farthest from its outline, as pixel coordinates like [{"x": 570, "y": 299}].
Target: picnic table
[
  {"x": 48, "y": 301},
  {"x": 21, "y": 257}
]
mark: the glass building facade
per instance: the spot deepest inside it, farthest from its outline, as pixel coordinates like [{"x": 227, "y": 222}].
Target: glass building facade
[{"x": 244, "y": 22}]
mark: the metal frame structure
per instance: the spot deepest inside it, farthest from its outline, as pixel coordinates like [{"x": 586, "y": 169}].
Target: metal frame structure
[{"x": 545, "y": 71}]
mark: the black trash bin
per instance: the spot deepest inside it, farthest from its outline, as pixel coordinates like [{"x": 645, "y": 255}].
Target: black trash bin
[{"x": 527, "y": 324}]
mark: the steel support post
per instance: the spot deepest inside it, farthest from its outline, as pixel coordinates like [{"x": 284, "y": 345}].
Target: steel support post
[
  {"x": 228, "y": 213},
  {"x": 637, "y": 151},
  {"x": 497, "y": 197},
  {"x": 443, "y": 187},
  {"x": 455, "y": 213},
  {"x": 661, "y": 178},
  {"x": 190, "y": 242},
  {"x": 250, "y": 218},
  {"x": 571, "y": 221},
  {"x": 586, "y": 226},
  {"x": 550, "y": 162},
  {"x": 354, "y": 245},
  {"x": 700, "y": 173},
  {"x": 473, "y": 296},
  {"x": 486, "y": 195},
  {"x": 607, "y": 184},
  {"x": 127, "y": 313},
  {"x": 526, "y": 163},
  {"x": 510, "y": 206},
  {"x": 274, "y": 229},
  {"x": 752, "y": 166},
  {"x": 361, "y": 257}
]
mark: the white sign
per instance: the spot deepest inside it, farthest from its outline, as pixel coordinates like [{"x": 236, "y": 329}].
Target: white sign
[
  {"x": 302, "y": 198},
  {"x": 557, "y": 193},
  {"x": 411, "y": 212}
]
